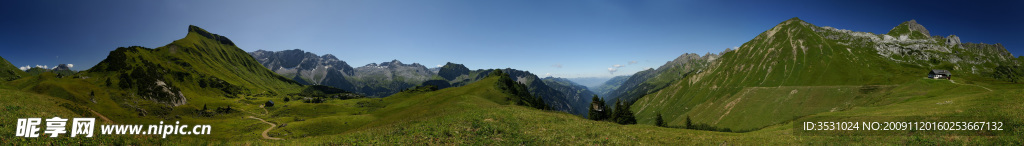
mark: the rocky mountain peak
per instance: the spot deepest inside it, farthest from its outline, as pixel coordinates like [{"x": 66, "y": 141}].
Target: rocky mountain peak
[
  {"x": 329, "y": 56},
  {"x": 917, "y": 27},
  {"x": 451, "y": 71},
  {"x": 908, "y": 28},
  {"x": 396, "y": 63},
  {"x": 204, "y": 33},
  {"x": 62, "y": 67}
]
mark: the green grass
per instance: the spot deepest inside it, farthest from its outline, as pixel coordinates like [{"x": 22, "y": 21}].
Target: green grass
[
  {"x": 823, "y": 75},
  {"x": 10, "y": 72},
  {"x": 772, "y": 82},
  {"x": 479, "y": 114}
]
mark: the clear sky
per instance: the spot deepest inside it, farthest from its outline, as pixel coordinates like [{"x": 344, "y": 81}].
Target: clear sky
[{"x": 566, "y": 38}]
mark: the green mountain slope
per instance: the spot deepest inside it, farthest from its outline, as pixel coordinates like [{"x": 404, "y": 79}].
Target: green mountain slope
[
  {"x": 560, "y": 96},
  {"x": 651, "y": 80},
  {"x": 474, "y": 119},
  {"x": 578, "y": 96},
  {"x": 799, "y": 69},
  {"x": 498, "y": 108},
  {"x": 402, "y": 108},
  {"x": 476, "y": 114},
  {"x": 201, "y": 62},
  {"x": 142, "y": 84},
  {"x": 10, "y": 72}
]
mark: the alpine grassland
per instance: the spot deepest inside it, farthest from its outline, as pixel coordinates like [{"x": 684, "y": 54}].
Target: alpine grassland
[{"x": 754, "y": 95}]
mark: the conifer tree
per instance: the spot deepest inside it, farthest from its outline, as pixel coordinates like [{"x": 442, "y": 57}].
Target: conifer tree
[
  {"x": 598, "y": 111},
  {"x": 659, "y": 121}
]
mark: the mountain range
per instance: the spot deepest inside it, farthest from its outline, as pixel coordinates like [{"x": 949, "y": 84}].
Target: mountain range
[
  {"x": 387, "y": 78},
  {"x": 753, "y": 94},
  {"x": 376, "y": 80}
]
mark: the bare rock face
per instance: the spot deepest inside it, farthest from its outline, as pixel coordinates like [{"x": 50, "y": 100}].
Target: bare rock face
[
  {"x": 918, "y": 27},
  {"x": 167, "y": 94},
  {"x": 953, "y": 40},
  {"x": 374, "y": 79},
  {"x": 305, "y": 67},
  {"x": 931, "y": 50}
]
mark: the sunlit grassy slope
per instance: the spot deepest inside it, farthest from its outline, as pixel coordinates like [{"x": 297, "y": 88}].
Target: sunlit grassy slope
[
  {"x": 466, "y": 116},
  {"x": 479, "y": 113},
  {"x": 798, "y": 81},
  {"x": 795, "y": 70},
  {"x": 9, "y": 72}
]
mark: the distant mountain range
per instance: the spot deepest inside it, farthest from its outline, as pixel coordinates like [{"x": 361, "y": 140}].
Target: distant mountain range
[
  {"x": 377, "y": 80},
  {"x": 590, "y": 82},
  {"x": 610, "y": 85},
  {"x": 387, "y": 78}
]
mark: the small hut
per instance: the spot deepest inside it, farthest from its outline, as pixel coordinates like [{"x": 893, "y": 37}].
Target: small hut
[{"x": 939, "y": 74}]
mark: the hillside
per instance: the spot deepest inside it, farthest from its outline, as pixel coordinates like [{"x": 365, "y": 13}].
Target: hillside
[
  {"x": 559, "y": 95},
  {"x": 651, "y": 80},
  {"x": 796, "y": 65},
  {"x": 10, "y": 72},
  {"x": 186, "y": 80},
  {"x": 199, "y": 62},
  {"x": 578, "y": 95},
  {"x": 796, "y": 71},
  {"x": 388, "y": 78},
  {"x": 479, "y": 113}
]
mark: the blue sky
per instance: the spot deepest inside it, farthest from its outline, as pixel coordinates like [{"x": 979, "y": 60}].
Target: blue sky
[{"x": 566, "y": 38}]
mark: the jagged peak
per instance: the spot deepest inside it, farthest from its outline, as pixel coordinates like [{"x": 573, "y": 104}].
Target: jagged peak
[
  {"x": 393, "y": 62},
  {"x": 329, "y": 56},
  {"x": 207, "y": 34}
]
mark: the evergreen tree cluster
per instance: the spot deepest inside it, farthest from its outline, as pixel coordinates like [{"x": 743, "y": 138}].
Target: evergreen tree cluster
[
  {"x": 622, "y": 115},
  {"x": 600, "y": 112}
]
